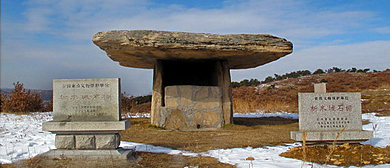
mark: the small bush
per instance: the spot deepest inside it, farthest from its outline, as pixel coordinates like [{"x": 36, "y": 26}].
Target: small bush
[{"x": 21, "y": 100}]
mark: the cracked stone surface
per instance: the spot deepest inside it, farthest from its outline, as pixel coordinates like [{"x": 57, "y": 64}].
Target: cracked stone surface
[{"x": 141, "y": 48}]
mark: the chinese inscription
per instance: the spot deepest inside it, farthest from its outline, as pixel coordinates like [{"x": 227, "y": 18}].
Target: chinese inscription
[
  {"x": 329, "y": 111},
  {"x": 324, "y": 108},
  {"x": 85, "y": 85},
  {"x": 91, "y": 99}
]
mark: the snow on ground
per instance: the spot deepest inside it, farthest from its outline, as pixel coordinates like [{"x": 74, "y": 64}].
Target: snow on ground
[
  {"x": 22, "y": 137},
  {"x": 135, "y": 115},
  {"x": 262, "y": 114}
]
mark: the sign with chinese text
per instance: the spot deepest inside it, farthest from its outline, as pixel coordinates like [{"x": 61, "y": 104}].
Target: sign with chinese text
[
  {"x": 329, "y": 111},
  {"x": 86, "y": 99}
]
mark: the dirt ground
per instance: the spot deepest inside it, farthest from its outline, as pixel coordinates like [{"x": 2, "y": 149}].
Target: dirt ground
[
  {"x": 149, "y": 160},
  {"x": 342, "y": 155},
  {"x": 254, "y": 132}
]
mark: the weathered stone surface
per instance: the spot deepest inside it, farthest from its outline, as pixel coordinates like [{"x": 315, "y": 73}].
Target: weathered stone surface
[
  {"x": 65, "y": 142},
  {"x": 226, "y": 89},
  {"x": 208, "y": 103},
  {"x": 86, "y": 99},
  {"x": 176, "y": 121},
  {"x": 329, "y": 111},
  {"x": 99, "y": 126},
  {"x": 215, "y": 91},
  {"x": 199, "y": 107},
  {"x": 186, "y": 93},
  {"x": 211, "y": 119},
  {"x": 85, "y": 141},
  {"x": 197, "y": 119},
  {"x": 202, "y": 93},
  {"x": 93, "y": 155},
  {"x": 141, "y": 48},
  {"x": 325, "y": 116},
  {"x": 171, "y": 102},
  {"x": 110, "y": 141},
  {"x": 156, "y": 116},
  {"x": 320, "y": 88},
  {"x": 171, "y": 92}
]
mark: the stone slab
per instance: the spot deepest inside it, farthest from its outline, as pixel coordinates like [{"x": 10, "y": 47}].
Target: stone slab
[
  {"x": 320, "y": 88},
  {"x": 86, "y": 99},
  {"x": 329, "y": 111},
  {"x": 107, "y": 141},
  {"x": 192, "y": 107},
  {"x": 331, "y": 135},
  {"x": 84, "y": 127},
  {"x": 142, "y": 48},
  {"x": 85, "y": 141},
  {"x": 65, "y": 142},
  {"x": 115, "y": 154}
]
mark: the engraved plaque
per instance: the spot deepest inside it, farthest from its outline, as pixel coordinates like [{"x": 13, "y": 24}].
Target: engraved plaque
[{"x": 86, "y": 99}]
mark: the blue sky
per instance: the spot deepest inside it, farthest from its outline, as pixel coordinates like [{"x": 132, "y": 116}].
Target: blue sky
[{"x": 42, "y": 40}]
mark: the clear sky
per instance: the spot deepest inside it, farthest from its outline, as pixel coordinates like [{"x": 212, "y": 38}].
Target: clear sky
[{"x": 42, "y": 40}]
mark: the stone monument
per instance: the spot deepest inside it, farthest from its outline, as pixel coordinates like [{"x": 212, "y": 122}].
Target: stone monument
[
  {"x": 86, "y": 118},
  {"x": 330, "y": 116},
  {"x": 191, "y": 82}
]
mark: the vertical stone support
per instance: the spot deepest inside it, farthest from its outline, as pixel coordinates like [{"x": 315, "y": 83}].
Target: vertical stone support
[
  {"x": 157, "y": 95},
  {"x": 224, "y": 82}
]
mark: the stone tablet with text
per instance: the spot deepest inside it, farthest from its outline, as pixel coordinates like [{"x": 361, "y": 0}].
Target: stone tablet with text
[
  {"x": 86, "y": 99},
  {"x": 329, "y": 111},
  {"x": 330, "y": 117}
]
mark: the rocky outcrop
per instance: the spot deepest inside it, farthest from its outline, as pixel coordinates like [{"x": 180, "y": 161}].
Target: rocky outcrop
[{"x": 141, "y": 48}]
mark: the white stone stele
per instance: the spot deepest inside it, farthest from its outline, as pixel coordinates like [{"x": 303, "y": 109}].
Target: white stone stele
[
  {"x": 329, "y": 117},
  {"x": 86, "y": 119},
  {"x": 86, "y": 99}
]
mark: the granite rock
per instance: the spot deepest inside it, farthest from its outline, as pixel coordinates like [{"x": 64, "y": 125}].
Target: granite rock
[{"x": 141, "y": 48}]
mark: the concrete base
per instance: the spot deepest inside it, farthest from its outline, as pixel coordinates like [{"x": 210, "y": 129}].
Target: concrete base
[
  {"x": 331, "y": 136},
  {"x": 84, "y": 127},
  {"x": 115, "y": 154}
]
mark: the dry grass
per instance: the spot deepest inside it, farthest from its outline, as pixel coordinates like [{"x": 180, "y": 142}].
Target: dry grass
[
  {"x": 255, "y": 132},
  {"x": 377, "y": 100},
  {"x": 141, "y": 108},
  {"x": 243, "y": 106},
  {"x": 343, "y": 155},
  {"x": 148, "y": 160},
  {"x": 283, "y": 95},
  {"x": 165, "y": 160}
]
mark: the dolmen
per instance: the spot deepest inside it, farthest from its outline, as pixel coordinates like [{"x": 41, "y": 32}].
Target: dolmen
[{"x": 191, "y": 82}]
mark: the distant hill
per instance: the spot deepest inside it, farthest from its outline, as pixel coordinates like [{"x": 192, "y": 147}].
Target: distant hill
[
  {"x": 282, "y": 95},
  {"x": 45, "y": 94},
  {"x": 5, "y": 91}
]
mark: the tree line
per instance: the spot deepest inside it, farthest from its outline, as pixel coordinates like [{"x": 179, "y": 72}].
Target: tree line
[{"x": 296, "y": 74}]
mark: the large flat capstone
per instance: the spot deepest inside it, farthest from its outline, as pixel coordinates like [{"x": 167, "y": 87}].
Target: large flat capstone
[{"x": 141, "y": 48}]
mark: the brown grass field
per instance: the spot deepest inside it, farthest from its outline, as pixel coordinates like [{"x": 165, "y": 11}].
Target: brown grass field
[
  {"x": 283, "y": 95},
  {"x": 255, "y": 132}
]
